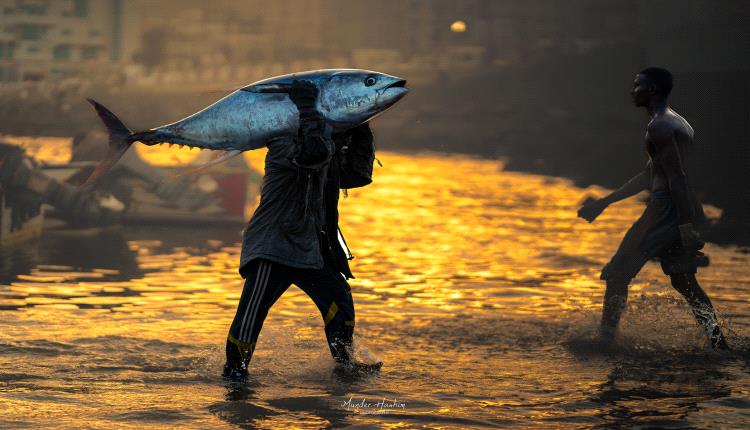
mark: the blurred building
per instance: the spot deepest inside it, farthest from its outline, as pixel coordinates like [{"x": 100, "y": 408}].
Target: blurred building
[
  {"x": 191, "y": 38},
  {"x": 193, "y": 41},
  {"x": 43, "y": 39}
]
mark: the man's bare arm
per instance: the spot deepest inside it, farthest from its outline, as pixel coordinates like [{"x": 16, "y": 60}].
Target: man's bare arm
[
  {"x": 635, "y": 185},
  {"x": 671, "y": 163},
  {"x": 592, "y": 208}
]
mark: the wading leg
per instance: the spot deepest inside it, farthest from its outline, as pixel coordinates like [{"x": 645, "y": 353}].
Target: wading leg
[
  {"x": 701, "y": 306},
  {"x": 265, "y": 282},
  {"x": 615, "y": 301},
  {"x": 634, "y": 251},
  {"x": 333, "y": 297}
]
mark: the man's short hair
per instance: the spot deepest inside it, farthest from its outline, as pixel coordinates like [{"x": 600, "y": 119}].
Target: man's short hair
[{"x": 661, "y": 78}]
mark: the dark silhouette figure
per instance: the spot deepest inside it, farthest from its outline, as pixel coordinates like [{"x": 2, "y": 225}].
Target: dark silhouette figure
[
  {"x": 293, "y": 236},
  {"x": 667, "y": 228}
]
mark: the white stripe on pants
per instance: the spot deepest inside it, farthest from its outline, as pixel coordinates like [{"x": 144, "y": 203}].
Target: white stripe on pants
[{"x": 259, "y": 289}]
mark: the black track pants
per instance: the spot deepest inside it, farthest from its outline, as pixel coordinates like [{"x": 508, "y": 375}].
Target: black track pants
[{"x": 265, "y": 282}]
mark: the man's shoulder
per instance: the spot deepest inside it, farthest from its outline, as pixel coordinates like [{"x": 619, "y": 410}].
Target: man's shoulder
[
  {"x": 280, "y": 147},
  {"x": 668, "y": 127},
  {"x": 661, "y": 129}
]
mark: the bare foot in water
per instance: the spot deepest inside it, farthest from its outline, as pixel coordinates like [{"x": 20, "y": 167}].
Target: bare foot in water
[
  {"x": 232, "y": 373},
  {"x": 357, "y": 368}
]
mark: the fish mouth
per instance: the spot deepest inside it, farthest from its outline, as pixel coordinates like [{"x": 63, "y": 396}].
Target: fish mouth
[
  {"x": 389, "y": 96},
  {"x": 392, "y": 93},
  {"x": 401, "y": 83}
]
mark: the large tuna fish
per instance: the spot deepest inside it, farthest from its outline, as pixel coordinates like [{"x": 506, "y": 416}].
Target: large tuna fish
[{"x": 252, "y": 116}]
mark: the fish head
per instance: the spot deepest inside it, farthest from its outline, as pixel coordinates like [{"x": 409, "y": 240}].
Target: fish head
[{"x": 349, "y": 98}]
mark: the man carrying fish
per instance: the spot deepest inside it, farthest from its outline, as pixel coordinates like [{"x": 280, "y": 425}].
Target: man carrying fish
[
  {"x": 666, "y": 230},
  {"x": 315, "y": 126},
  {"x": 292, "y": 238}
]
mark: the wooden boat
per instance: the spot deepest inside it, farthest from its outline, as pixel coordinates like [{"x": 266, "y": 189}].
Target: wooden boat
[{"x": 228, "y": 194}]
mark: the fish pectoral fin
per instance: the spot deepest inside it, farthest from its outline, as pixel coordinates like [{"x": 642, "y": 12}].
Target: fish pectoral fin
[{"x": 220, "y": 157}]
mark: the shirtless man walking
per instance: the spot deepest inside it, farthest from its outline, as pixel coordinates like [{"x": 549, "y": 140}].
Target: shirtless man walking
[{"x": 667, "y": 227}]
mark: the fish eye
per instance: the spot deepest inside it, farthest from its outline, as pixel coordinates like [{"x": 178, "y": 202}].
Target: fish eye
[{"x": 370, "y": 81}]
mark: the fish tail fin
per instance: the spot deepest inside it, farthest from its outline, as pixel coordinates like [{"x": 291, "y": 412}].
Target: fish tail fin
[{"x": 120, "y": 139}]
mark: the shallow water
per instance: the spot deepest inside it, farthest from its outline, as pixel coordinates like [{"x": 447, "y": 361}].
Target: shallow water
[{"x": 478, "y": 288}]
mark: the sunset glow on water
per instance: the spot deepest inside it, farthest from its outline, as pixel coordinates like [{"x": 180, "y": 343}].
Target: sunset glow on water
[{"x": 477, "y": 287}]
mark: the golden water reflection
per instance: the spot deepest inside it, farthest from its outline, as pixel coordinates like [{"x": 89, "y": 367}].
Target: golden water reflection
[{"x": 470, "y": 281}]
